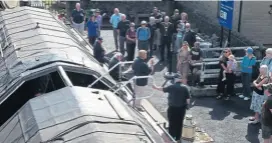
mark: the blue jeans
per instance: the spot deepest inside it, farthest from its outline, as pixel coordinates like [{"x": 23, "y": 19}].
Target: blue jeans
[{"x": 246, "y": 80}]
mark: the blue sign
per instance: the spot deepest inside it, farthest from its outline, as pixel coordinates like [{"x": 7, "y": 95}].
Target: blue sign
[{"x": 226, "y": 13}]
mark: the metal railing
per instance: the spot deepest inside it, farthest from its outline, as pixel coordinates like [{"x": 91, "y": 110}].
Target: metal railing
[
  {"x": 2, "y": 52},
  {"x": 133, "y": 78},
  {"x": 120, "y": 73},
  {"x": 202, "y": 69},
  {"x": 209, "y": 73}
]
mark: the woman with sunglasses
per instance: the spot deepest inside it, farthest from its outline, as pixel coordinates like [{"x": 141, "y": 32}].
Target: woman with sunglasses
[
  {"x": 223, "y": 67},
  {"x": 183, "y": 64}
]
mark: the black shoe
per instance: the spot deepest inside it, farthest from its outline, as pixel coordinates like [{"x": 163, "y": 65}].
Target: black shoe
[
  {"x": 219, "y": 97},
  {"x": 227, "y": 98},
  {"x": 155, "y": 48}
]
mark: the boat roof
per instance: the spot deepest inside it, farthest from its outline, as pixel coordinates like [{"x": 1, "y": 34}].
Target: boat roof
[
  {"x": 77, "y": 114},
  {"x": 32, "y": 38}
]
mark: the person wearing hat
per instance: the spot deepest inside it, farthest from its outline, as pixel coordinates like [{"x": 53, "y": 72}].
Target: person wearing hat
[
  {"x": 178, "y": 102},
  {"x": 99, "y": 51},
  {"x": 131, "y": 42},
  {"x": 143, "y": 35},
  {"x": 267, "y": 114},
  {"x": 98, "y": 19},
  {"x": 92, "y": 27},
  {"x": 247, "y": 65}
]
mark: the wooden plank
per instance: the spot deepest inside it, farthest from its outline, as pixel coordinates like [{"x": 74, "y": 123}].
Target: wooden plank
[{"x": 153, "y": 112}]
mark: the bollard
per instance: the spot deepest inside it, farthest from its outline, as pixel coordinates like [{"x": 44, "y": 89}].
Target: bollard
[{"x": 189, "y": 128}]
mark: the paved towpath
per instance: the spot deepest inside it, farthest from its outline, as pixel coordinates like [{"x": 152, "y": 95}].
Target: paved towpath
[{"x": 224, "y": 121}]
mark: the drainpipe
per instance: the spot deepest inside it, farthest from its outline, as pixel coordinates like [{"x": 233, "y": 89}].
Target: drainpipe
[{"x": 240, "y": 16}]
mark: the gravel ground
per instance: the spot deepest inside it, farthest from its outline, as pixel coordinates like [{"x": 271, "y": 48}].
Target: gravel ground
[{"x": 224, "y": 121}]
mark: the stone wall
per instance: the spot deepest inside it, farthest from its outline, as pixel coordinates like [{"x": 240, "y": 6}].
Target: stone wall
[
  {"x": 255, "y": 27},
  {"x": 127, "y": 7},
  {"x": 256, "y": 22},
  {"x": 203, "y": 14}
]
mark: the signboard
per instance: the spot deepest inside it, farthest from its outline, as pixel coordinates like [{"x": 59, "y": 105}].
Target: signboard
[{"x": 226, "y": 13}]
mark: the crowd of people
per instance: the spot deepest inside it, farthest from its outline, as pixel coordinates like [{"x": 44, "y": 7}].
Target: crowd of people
[
  {"x": 170, "y": 34},
  {"x": 261, "y": 100},
  {"x": 173, "y": 34}
]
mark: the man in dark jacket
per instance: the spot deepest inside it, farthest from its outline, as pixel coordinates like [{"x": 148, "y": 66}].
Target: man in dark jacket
[
  {"x": 116, "y": 73},
  {"x": 178, "y": 102},
  {"x": 189, "y": 35},
  {"x": 141, "y": 68},
  {"x": 122, "y": 28},
  {"x": 158, "y": 16},
  {"x": 175, "y": 17},
  {"x": 99, "y": 51},
  {"x": 77, "y": 18},
  {"x": 196, "y": 57},
  {"x": 152, "y": 25},
  {"x": 166, "y": 30}
]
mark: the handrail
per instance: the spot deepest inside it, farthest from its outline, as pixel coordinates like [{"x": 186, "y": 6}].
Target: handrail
[
  {"x": 126, "y": 62},
  {"x": 2, "y": 52},
  {"x": 204, "y": 64},
  {"x": 232, "y": 48},
  {"x": 130, "y": 80},
  {"x": 63, "y": 74},
  {"x": 163, "y": 128}
]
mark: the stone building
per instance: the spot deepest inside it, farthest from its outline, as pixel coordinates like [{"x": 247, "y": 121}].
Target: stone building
[{"x": 255, "y": 20}]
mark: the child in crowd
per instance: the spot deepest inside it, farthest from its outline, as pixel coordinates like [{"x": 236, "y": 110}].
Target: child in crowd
[{"x": 231, "y": 66}]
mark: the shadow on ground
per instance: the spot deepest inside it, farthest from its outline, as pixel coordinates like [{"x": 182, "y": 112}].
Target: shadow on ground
[{"x": 222, "y": 108}]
